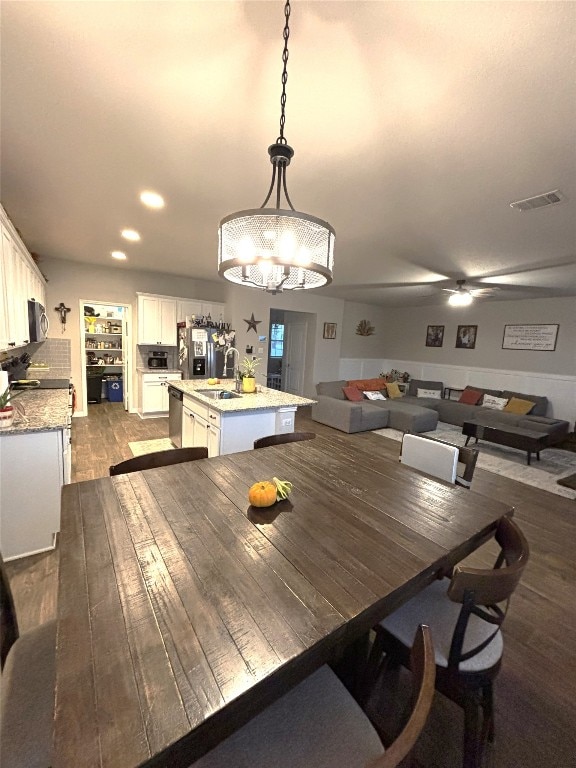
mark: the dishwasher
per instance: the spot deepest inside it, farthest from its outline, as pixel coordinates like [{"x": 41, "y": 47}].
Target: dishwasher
[{"x": 175, "y": 407}]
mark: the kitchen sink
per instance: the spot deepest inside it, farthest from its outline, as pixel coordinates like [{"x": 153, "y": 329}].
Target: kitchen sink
[{"x": 218, "y": 394}]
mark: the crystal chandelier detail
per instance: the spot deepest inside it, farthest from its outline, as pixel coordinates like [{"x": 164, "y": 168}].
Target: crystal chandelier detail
[{"x": 276, "y": 249}]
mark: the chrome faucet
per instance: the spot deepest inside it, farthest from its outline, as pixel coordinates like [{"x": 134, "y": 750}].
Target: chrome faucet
[{"x": 235, "y": 361}]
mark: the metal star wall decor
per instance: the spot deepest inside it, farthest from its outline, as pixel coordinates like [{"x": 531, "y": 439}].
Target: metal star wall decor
[{"x": 252, "y": 324}]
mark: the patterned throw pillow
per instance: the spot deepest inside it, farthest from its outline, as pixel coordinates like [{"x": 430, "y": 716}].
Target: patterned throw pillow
[
  {"x": 433, "y": 393},
  {"x": 470, "y": 397},
  {"x": 495, "y": 403},
  {"x": 372, "y": 395},
  {"x": 352, "y": 393},
  {"x": 521, "y": 407},
  {"x": 393, "y": 389}
]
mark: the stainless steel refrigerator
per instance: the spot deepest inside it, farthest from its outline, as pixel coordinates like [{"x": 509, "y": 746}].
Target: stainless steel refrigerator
[{"x": 201, "y": 352}]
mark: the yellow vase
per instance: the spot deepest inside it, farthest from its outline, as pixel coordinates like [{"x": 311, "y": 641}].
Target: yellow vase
[{"x": 248, "y": 384}]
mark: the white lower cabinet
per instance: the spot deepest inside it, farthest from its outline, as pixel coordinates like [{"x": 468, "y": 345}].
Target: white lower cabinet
[
  {"x": 222, "y": 432},
  {"x": 153, "y": 392},
  {"x": 33, "y": 468}
]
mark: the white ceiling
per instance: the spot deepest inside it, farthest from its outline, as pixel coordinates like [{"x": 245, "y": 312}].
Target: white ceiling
[{"x": 415, "y": 124}]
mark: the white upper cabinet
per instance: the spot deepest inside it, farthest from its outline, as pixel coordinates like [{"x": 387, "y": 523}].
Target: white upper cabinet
[
  {"x": 212, "y": 309},
  {"x": 156, "y": 320},
  {"x": 20, "y": 280}
]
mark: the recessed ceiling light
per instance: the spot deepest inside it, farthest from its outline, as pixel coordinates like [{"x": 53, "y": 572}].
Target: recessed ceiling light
[
  {"x": 152, "y": 199},
  {"x": 130, "y": 234},
  {"x": 118, "y": 255}
]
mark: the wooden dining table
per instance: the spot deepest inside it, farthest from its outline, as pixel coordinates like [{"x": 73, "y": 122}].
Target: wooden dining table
[{"x": 183, "y": 611}]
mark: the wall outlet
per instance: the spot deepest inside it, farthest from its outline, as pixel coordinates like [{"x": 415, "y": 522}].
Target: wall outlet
[{"x": 286, "y": 422}]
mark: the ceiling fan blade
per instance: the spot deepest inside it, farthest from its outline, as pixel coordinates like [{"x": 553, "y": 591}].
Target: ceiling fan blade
[{"x": 484, "y": 291}]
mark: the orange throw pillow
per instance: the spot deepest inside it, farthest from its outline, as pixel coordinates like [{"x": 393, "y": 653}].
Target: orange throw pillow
[
  {"x": 368, "y": 385},
  {"x": 351, "y": 393},
  {"x": 470, "y": 397}
]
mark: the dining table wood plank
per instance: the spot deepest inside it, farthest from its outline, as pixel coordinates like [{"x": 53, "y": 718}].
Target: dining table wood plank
[
  {"x": 75, "y": 689},
  {"x": 186, "y": 611}
]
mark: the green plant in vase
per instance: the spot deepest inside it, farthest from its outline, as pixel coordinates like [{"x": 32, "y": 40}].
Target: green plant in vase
[
  {"x": 8, "y": 408},
  {"x": 248, "y": 373}
]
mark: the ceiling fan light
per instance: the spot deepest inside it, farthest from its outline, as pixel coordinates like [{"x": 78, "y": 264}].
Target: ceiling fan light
[{"x": 460, "y": 299}]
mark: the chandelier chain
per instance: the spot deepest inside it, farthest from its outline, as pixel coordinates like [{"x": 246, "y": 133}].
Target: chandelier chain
[{"x": 285, "y": 54}]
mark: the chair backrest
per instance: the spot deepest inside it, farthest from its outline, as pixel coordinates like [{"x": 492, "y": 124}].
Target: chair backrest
[
  {"x": 289, "y": 437},
  {"x": 431, "y": 456},
  {"x": 158, "y": 459},
  {"x": 423, "y": 668},
  {"x": 485, "y": 593},
  {"x": 467, "y": 458},
  {"x": 8, "y": 622}
]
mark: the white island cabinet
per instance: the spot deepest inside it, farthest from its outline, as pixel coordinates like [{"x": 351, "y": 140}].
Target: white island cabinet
[{"x": 231, "y": 425}]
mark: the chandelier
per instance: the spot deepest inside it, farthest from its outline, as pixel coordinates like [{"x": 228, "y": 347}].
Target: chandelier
[{"x": 276, "y": 249}]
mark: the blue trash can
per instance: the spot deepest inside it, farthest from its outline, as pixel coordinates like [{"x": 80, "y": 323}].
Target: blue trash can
[{"x": 115, "y": 390}]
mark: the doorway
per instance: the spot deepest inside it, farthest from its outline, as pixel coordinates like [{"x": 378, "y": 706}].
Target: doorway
[{"x": 105, "y": 353}]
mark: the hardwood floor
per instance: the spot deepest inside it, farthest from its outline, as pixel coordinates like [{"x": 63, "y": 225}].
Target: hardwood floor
[{"x": 536, "y": 688}]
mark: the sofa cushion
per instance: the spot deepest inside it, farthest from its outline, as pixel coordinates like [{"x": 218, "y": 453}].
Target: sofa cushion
[
  {"x": 393, "y": 389},
  {"x": 453, "y": 412},
  {"x": 351, "y": 393},
  {"x": 368, "y": 385},
  {"x": 435, "y": 394},
  {"x": 540, "y": 403},
  {"x": 332, "y": 389},
  {"x": 495, "y": 403},
  {"x": 516, "y": 405},
  {"x": 416, "y": 384},
  {"x": 470, "y": 396}
]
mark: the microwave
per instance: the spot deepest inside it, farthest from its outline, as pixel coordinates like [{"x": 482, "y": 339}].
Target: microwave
[
  {"x": 37, "y": 321},
  {"x": 158, "y": 360}
]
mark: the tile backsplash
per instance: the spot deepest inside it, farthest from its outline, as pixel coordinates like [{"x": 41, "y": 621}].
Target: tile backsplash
[{"x": 55, "y": 354}]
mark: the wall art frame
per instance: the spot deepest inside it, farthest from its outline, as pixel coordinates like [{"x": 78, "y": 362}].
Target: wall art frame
[
  {"x": 435, "y": 335},
  {"x": 466, "y": 336},
  {"x": 329, "y": 330},
  {"x": 534, "y": 337}
]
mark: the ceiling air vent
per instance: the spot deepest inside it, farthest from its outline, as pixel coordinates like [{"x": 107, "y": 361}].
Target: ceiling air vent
[{"x": 540, "y": 201}]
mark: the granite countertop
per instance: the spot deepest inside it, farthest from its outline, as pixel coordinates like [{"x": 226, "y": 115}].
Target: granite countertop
[
  {"x": 265, "y": 398},
  {"x": 45, "y": 410},
  {"x": 145, "y": 369}
]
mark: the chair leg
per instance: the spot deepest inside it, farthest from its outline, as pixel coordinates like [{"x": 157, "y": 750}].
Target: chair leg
[
  {"x": 488, "y": 709},
  {"x": 471, "y": 707}
]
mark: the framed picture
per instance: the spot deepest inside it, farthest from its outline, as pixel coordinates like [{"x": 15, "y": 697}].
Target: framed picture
[
  {"x": 466, "y": 336},
  {"x": 435, "y": 336},
  {"x": 329, "y": 330},
  {"x": 541, "y": 338}
]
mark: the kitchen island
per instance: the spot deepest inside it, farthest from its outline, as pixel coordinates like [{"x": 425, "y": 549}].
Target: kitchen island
[
  {"x": 35, "y": 462},
  {"x": 231, "y": 423}
]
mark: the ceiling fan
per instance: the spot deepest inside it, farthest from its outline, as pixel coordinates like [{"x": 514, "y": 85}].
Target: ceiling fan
[{"x": 463, "y": 295}]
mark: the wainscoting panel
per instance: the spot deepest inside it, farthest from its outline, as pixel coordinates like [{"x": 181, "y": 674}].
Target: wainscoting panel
[{"x": 559, "y": 389}]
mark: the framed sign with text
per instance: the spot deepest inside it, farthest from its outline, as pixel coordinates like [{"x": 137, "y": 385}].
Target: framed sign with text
[{"x": 540, "y": 338}]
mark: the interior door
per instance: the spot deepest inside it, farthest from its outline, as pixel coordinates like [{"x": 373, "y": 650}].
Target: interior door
[{"x": 294, "y": 357}]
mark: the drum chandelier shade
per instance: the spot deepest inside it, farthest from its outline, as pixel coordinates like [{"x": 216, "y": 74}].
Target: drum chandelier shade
[{"x": 276, "y": 249}]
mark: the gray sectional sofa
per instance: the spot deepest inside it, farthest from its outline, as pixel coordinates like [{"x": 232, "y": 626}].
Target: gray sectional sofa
[{"x": 421, "y": 414}]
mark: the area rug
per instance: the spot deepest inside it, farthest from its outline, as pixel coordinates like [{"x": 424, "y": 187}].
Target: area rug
[
  {"x": 554, "y": 464},
  {"x": 151, "y": 446}
]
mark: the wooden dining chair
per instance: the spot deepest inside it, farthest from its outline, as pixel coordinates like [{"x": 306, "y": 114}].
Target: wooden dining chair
[
  {"x": 318, "y": 724},
  {"x": 158, "y": 459},
  {"x": 465, "y": 613},
  {"x": 439, "y": 462},
  {"x": 27, "y": 687},
  {"x": 289, "y": 437}
]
